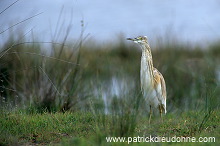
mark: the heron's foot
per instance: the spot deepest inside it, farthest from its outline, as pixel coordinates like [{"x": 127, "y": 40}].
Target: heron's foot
[
  {"x": 161, "y": 113},
  {"x": 150, "y": 114},
  {"x": 161, "y": 118},
  {"x": 149, "y": 119}
]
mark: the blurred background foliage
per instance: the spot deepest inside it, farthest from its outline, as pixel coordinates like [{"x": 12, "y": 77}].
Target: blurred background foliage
[{"x": 71, "y": 75}]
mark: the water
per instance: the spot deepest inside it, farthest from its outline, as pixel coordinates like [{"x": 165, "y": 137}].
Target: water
[
  {"x": 189, "y": 21},
  {"x": 114, "y": 87}
]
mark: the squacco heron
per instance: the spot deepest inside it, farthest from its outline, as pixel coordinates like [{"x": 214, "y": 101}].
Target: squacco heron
[{"x": 153, "y": 85}]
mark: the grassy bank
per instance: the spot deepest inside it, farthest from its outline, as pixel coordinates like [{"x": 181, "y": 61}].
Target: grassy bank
[{"x": 19, "y": 128}]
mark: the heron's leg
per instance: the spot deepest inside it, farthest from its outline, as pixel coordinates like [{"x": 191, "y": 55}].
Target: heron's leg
[
  {"x": 150, "y": 114},
  {"x": 160, "y": 110}
]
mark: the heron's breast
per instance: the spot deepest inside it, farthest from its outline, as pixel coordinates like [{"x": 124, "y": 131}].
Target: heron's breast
[{"x": 145, "y": 75}]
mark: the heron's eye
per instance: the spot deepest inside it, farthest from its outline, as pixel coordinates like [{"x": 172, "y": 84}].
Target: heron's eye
[{"x": 140, "y": 38}]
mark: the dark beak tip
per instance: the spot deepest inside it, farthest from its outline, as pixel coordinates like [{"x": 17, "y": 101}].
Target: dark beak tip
[{"x": 129, "y": 39}]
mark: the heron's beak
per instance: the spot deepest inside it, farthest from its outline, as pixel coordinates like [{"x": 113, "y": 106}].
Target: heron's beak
[{"x": 130, "y": 39}]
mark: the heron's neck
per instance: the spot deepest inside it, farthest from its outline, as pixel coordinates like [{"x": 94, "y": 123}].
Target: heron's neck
[
  {"x": 146, "y": 50},
  {"x": 147, "y": 62}
]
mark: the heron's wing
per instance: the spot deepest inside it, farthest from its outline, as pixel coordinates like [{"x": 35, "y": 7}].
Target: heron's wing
[{"x": 160, "y": 87}]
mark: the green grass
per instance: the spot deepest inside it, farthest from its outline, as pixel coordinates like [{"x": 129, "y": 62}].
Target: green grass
[
  {"x": 21, "y": 128},
  {"x": 82, "y": 127}
]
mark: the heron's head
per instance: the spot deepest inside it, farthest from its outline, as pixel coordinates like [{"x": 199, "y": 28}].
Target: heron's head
[
  {"x": 139, "y": 40},
  {"x": 142, "y": 41}
]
